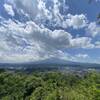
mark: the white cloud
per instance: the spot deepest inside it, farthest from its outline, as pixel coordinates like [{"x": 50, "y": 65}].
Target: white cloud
[
  {"x": 19, "y": 58},
  {"x": 82, "y": 56},
  {"x": 32, "y": 39},
  {"x": 9, "y": 9},
  {"x": 28, "y": 6},
  {"x": 93, "y": 29},
  {"x": 97, "y": 44},
  {"x": 83, "y": 42},
  {"x": 34, "y": 8},
  {"x": 20, "y": 39},
  {"x": 38, "y": 11},
  {"x": 76, "y": 21},
  {"x": 28, "y": 38}
]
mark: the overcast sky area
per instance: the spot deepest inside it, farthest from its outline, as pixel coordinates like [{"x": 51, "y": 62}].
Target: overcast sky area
[{"x": 34, "y": 30}]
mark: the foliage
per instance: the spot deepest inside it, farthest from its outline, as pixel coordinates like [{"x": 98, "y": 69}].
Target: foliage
[{"x": 49, "y": 86}]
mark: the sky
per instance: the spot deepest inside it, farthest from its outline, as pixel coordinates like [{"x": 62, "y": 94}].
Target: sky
[{"x": 34, "y": 30}]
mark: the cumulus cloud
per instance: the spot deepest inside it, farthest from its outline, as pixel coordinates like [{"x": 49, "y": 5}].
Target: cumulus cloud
[
  {"x": 9, "y": 9},
  {"x": 29, "y": 38},
  {"x": 82, "y": 56},
  {"x": 76, "y": 21},
  {"x": 41, "y": 12},
  {"x": 93, "y": 29},
  {"x": 33, "y": 39},
  {"x": 97, "y": 44},
  {"x": 34, "y": 8},
  {"x": 83, "y": 42}
]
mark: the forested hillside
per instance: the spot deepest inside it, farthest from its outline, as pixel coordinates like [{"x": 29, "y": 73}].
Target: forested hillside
[{"x": 49, "y": 86}]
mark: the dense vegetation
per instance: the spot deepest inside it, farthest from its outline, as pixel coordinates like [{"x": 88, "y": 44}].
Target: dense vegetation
[{"x": 49, "y": 86}]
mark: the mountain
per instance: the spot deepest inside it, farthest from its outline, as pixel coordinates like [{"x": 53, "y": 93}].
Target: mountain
[
  {"x": 57, "y": 61},
  {"x": 53, "y": 63}
]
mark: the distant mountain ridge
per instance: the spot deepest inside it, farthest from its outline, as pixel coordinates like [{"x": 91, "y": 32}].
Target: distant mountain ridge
[
  {"x": 61, "y": 61},
  {"x": 52, "y": 62}
]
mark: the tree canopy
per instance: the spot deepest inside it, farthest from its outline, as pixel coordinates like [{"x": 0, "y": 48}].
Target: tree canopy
[{"x": 49, "y": 86}]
